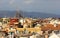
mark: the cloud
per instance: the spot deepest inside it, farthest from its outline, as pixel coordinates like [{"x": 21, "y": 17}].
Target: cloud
[
  {"x": 48, "y": 6},
  {"x": 28, "y": 1}
]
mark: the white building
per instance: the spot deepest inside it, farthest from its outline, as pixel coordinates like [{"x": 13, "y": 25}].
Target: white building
[
  {"x": 54, "y": 22},
  {"x": 53, "y": 35}
]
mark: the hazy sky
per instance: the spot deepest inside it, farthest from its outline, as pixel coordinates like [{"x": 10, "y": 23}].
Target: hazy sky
[{"x": 45, "y": 6}]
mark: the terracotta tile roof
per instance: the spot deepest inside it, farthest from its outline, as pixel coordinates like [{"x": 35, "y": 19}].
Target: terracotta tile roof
[
  {"x": 50, "y": 27},
  {"x": 13, "y": 20}
]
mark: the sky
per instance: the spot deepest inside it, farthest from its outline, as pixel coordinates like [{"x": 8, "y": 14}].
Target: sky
[{"x": 44, "y": 6}]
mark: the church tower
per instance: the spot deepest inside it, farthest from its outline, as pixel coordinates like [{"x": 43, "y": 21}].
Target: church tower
[{"x": 18, "y": 14}]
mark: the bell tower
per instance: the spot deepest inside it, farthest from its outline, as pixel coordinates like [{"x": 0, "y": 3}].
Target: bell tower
[{"x": 18, "y": 14}]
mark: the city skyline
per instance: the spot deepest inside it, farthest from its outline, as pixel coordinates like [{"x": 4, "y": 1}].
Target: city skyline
[{"x": 45, "y": 6}]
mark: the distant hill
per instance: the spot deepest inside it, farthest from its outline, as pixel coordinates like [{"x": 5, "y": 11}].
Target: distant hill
[
  {"x": 39, "y": 14},
  {"x": 27, "y": 14}
]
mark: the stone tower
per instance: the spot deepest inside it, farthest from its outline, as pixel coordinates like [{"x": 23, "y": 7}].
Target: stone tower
[{"x": 18, "y": 14}]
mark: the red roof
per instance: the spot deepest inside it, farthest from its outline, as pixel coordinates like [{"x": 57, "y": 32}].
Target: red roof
[
  {"x": 11, "y": 23},
  {"x": 13, "y": 20},
  {"x": 50, "y": 27}
]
